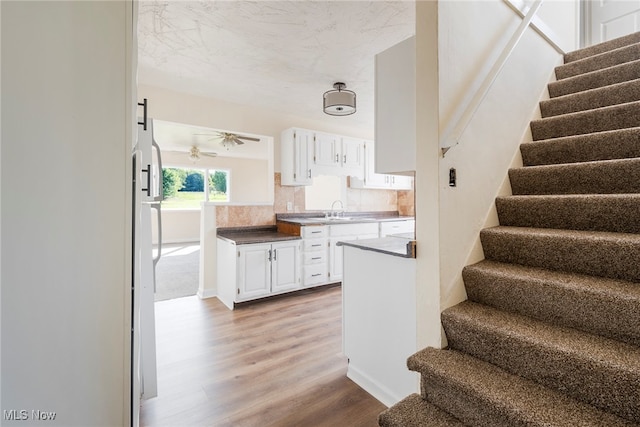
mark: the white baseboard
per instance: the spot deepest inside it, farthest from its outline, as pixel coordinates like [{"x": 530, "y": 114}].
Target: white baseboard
[
  {"x": 372, "y": 387},
  {"x": 206, "y": 293}
]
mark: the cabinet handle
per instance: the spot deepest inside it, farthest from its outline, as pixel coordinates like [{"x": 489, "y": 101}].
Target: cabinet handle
[
  {"x": 309, "y": 173},
  {"x": 337, "y": 158},
  {"x": 144, "y": 105},
  {"x": 344, "y": 159},
  {"x": 315, "y": 246},
  {"x": 316, "y": 275},
  {"x": 316, "y": 232},
  {"x": 269, "y": 255},
  {"x": 317, "y": 257}
]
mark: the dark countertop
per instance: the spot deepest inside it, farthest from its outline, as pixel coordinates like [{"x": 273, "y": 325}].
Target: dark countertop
[
  {"x": 249, "y": 235},
  {"x": 396, "y": 245},
  {"x": 318, "y": 218}
]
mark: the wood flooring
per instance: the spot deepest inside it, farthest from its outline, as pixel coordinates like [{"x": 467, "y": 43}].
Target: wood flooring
[{"x": 276, "y": 362}]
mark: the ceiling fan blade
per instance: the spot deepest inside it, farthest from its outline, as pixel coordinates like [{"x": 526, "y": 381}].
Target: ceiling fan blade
[
  {"x": 248, "y": 138},
  {"x": 209, "y": 153},
  {"x": 237, "y": 141}
]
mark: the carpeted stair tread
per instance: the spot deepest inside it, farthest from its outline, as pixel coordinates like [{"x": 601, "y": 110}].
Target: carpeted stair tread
[
  {"x": 595, "y": 79},
  {"x": 619, "y": 93},
  {"x": 414, "y": 411},
  {"x": 606, "y": 307},
  {"x": 606, "y": 59},
  {"x": 602, "y": 47},
  {"x": 481, "y": 394},
  {"x": 612, "y": 255},
  {"x": 594, "y": 212},
  {"x": 620, "y": 116},
  {"x": 600, "y": 177},
  {"x": 589, "y": 368},
  {"x": 608, "y": 145}
]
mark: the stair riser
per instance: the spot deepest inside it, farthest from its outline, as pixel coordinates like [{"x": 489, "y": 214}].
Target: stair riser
[
  {"x": 588, "y": 213},
  {"x": 604, "y": 257},
  {"x": 597, "y": 384},
  {"x": 468, "y": 407},
  {"x": 598, "y": 62},
  {"x": 615, "y": 177},
  {"x": 619, "y": 144},
  {"x": 608, "y": 76},
  {"x": 609, "y": 118},
  {"x": 596, "y": 98},
  {"x": 602, "y": 47},
  {"x": 584, "y": 307}
]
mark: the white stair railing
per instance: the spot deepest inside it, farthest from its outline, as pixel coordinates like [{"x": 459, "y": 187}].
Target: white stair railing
[{"x": 463, "y": 116}]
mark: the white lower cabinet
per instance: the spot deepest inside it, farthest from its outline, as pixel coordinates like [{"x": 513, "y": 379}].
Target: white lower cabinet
[
  {"x": 397, "y": 227},
  {"x": 343, "y": 233},
  {"x": 314, "y": 255},
  {"x": 247, "y": 272}
]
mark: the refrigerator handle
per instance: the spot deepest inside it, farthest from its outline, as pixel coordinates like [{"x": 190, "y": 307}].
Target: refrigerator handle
[
  {"x": 156, "y": 207},
  {"x": 160, "y": 195}
]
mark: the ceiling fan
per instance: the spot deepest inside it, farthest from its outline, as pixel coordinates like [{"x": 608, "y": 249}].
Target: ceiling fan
[
  {"x": 195, "y": 154},
  {"x": 228, "y": 139}
]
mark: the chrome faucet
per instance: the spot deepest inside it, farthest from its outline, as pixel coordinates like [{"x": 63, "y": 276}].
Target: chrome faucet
[{"x": 335, "y": 213}]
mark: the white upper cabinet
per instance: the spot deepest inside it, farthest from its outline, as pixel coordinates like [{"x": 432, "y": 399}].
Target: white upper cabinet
[
  {"x": 395, "y": 108},
  {"x": 379, "y": 180},
  {"x": 307, "y": 153},
  {"x": 352, "y": 156},
  {"x": 296, "y": 148}
]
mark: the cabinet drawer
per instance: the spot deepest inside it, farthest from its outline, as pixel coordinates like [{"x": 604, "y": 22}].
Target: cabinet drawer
[
  {"x": 395, "y": 227},
  {"x": 354, "y": 229},
  {"x": 317, "y": 257},
  {"x": 314, "y": 274},
  {"x": 314, "y": 244},
  {"x": 313, "y": 231}
]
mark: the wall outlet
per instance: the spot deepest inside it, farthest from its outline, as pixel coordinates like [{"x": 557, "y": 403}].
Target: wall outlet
[{"x": 289, "y": 206}]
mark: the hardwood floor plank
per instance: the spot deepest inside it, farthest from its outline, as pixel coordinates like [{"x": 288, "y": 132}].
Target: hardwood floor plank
[{"x": 271, "y": 363}]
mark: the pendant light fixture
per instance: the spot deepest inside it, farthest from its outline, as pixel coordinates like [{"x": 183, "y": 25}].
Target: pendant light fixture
[{"x": 339, "y": 102}]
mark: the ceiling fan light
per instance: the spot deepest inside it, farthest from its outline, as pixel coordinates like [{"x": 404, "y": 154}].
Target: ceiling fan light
[{"x": 339, "y": 102}]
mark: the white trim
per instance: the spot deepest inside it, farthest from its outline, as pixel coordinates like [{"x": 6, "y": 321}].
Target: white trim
[
  {"x": 237, "y": 204},
  {"x": 375, "y": 389},
  {"x": 521, "y": 7},
  {"x": 206, "y": 293}
]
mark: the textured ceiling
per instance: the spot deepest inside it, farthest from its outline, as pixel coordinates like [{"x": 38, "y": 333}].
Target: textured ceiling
[{"x": 280, "y": 55}]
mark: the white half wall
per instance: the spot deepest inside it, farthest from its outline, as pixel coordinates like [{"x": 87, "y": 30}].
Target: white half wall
[{"x": 66, "y": 211}]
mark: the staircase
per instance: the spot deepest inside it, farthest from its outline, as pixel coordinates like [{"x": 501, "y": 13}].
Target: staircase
[{"x": 550, "y": 334}]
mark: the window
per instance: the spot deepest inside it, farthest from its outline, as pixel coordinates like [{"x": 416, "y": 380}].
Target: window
[{"x": 184, "y": 188}]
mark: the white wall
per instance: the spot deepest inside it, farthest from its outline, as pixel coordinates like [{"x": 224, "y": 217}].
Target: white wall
[
  {"x": 470, "y": 36},
  {"x": 188, "y": 109},
  {"x": 66, "y": 211}
]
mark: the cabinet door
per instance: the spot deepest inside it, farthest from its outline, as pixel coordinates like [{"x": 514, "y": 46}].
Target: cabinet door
[
  {"x": 401, "y": 182},
  {"x": 335, "y": 258},
  {"x": 326, "y": 150},
  {"x": 353, "y": 156},
  {"x": 302, "y": 151},
  {"x": 254, "y": 271},
  {"x": 285, "y": 266},
  {"x": 371, "y": 178}
]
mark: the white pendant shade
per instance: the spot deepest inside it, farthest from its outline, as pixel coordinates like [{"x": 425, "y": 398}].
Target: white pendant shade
[{"x": 339, "y": 102}]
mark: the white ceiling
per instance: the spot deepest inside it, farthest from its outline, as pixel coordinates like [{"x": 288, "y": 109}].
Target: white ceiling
[{"x": 274, "y": 54}]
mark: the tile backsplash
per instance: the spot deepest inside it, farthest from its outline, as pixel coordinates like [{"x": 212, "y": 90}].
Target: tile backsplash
[{"x": 359, "y": 200}]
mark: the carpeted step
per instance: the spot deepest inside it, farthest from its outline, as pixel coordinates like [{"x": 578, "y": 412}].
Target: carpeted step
[
  {"x": 602, "y": 47},
  {"x": 597, "y": 62},
  {"x": 595, "y": 212},
  {"x": 589, "y": 368},
  {"x": 598, "y": 253},
  {"x": 601, "y": 177},
  {"x": 595, "y": 79},
  {"x": 414, "y": 411},
  {"x": 481, "y": 394},
  {"x": 597, "y": 305},
  {"x": 619, "y": 93},
  {"x": 620, "y": 116},
  {"x": 614, "y": 144}
]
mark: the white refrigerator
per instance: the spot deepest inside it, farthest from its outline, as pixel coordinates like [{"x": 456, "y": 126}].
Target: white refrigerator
[{"x": 147, "y": 195}]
